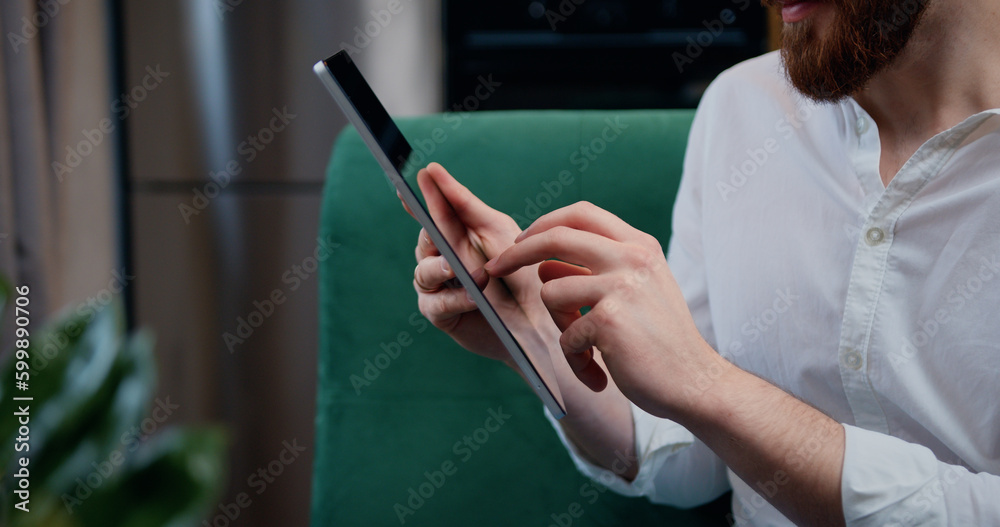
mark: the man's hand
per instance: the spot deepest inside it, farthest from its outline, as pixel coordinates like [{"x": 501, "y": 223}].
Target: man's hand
[
  {"x": 477, "y": 232},
  {"x": 638, "y": 317}
]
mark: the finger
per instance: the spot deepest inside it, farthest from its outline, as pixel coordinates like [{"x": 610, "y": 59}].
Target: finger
[
  {"x": 583, "y": 248},
  {"x": 440, "y": 209},
  {"x": 425, "y": 247},
  {"x": 466, "y": 206},
  {"x": 580, "y": 363},
  {"x": 431, "y": 274},
  {"x": 583, "y": 364},
  {"x": 588, "y": 217},
  {"x": 579, "y": 337},
  {"x": 481, "y": 277},
  {"x": 550, "y": 270},
  {"x": 572, "y": 293},
  {"x": 587, "y": 370},
  {"x": 554, "y": 269},
  {"x": 444, "y": 305},
  {"x": 405, "y": 206}
]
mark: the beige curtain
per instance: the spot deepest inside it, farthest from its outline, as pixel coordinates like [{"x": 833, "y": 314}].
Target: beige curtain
[{"x": 57, "y": 221}]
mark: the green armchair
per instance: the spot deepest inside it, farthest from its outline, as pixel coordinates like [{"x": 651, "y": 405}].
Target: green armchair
[{"x": 410, "y": 428}]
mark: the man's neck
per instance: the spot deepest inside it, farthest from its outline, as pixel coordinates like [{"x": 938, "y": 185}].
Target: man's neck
[{"x": 948, "y": 72}]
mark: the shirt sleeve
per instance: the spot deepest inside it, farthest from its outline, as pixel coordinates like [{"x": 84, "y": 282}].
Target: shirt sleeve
[
  {"x": 888, "y": 481},
  {"x": 675, "y": 468}
]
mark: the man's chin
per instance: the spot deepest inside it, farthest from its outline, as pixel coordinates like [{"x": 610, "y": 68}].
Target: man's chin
[
  {"x": 803, "y": 61},
  {"x": 835, "y": 52}
]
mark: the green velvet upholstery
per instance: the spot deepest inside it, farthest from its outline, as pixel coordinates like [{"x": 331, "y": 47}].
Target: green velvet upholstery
[{"x": 397, "y": 398}]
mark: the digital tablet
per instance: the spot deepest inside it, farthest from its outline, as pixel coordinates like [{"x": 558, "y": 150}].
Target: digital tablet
[{"x": 357, "y": 100}]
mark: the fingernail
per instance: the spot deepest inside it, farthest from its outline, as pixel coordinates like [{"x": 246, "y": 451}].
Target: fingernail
[
  {"x": 478, "y": 273},
  {"x": 521, "y": 236},
  {"x": 444, "y": 266},
  {"x": 427, "y": 238},
  {"x": 490, "y": 264},
  {"x": 468, "y": 296}
]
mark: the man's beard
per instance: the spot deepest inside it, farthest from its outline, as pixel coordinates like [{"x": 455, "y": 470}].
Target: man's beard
[{"x": 866, "y": 36}]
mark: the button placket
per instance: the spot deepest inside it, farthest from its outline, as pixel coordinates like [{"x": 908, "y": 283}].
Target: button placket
[
  {"x": 868, "y": 275},
  {"x": 863, "y": 292}
]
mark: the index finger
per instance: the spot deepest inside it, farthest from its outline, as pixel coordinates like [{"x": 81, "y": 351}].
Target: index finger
[
  {"x": 586, "y": 249},
  {"x": 584, "y": 216}
]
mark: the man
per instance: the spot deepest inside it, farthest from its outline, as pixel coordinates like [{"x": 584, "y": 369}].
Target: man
[{"x": 829, "y": 349}]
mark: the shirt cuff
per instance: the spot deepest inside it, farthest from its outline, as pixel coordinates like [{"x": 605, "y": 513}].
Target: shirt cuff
[
  {"x": 884, "y": 478},
  {"x": 656, "y": 439}
]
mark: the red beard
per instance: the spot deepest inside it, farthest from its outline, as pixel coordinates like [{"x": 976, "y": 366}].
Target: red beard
[{"x": 866, "y": 37}]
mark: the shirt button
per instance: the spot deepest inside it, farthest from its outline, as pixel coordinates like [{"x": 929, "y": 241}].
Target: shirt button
[
  {"x": 852, "y": 359},
  {"x": 874, "y": 236},
  {"x": 861, "y": 125}
]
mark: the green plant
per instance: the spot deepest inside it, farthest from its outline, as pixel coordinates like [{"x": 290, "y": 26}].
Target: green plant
[{"x": 90, "y": 460}]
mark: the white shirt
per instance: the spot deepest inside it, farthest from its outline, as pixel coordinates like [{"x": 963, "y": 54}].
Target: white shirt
[{"x": 880, "y": 306}]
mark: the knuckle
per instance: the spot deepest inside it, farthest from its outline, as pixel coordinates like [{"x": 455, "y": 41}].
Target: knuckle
[
  {"x": 435, "y": 310},
  {"x": 640, "y": 258},
  {"x": 585, "y": 207},
  {"x": 573, "y": 339},
  {"x": 621, "y": 283},
  {"x": 652, "y": 243},
  {"x": 600, "y": 316},
  {"x": 548, "y": 293}
]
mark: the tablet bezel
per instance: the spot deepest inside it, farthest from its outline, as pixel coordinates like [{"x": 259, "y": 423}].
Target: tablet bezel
[{"x": 342, "y": 78}]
